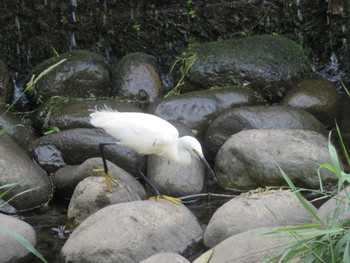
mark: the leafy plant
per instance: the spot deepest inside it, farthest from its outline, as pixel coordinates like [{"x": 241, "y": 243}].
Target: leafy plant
[
  {"x": 30, "y": 86},
  {"x": 186, "y": 60},
  {"x": 51, "y": 130},
  {"x": 4, "y": 190},
  {"x": 322, "y": 241}
]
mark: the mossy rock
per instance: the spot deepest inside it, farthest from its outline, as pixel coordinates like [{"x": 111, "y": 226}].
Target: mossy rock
[
  {"x": 84, "y": 74},
  {"x": 267, "y": 62}
]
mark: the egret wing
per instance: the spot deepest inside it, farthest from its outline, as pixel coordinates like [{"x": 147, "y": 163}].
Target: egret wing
[{"x": 145, "y": 133}]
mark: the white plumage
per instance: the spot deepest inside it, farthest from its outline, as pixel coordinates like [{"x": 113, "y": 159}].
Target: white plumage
[{"x": 148, "y": 134}]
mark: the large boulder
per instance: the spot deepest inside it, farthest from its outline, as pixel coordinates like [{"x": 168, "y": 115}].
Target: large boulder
[
  {"x": 92, "y": 194},
  {"x": 197, "y": 109},
  {"x": 269, "y": 63},
  {"x": 82, "y": 75},
  {"x": 249, "y": 159},
  {"x": 253, "y": 245},
  {"x": 11, "y": 251},
  {"x": 22, "y": 133},
  {"x": 257, "y": 117},
  {"x": 165, "y": 258},
  {"x": 74, "y": 146},
  {"x": 131, "y": 232},
  {"x": 138, "y": 77},
  {"x": 69, "y": 113},
  {"x": 17, "y": 167},
  {"x": 317, "y": 96},
  {"x": 268, "y": 208}
]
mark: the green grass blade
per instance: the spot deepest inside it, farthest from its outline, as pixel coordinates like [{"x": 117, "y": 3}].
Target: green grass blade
[
  {"x": 8, "y": 185},
  {"x": 19, "y": 194},
  {"x": 334, "y": 158},
  {"x": 346, "y": 257},
  {"x": 292, "y": 228},
  {"x": 342, "y": 143},
  {"x": 24, "y": 242},
  {"x": 299, "y": 196}
]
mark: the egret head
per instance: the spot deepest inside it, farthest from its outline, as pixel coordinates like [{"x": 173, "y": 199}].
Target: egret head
[{"x": 193, "y": 146}]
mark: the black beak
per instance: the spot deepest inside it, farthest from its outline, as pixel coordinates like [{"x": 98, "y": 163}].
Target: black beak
[{"x": 204, "y": 161}]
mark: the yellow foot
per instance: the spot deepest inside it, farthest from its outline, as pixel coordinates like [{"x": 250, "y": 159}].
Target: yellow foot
[
  {"x": 174, "y": 200},
  {"x": 109, "y": 179}
]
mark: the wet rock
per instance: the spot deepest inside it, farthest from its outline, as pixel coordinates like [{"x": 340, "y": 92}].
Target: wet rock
[
  {"x": 248, "y": 246},
  {"x": 138, "y": 77},
  {"x": 87, "y": 167},
  {"x": 248, "y": 159},
  {"x": 17, "y": 167},
  {"x": 92, "y": 194},
  {"x": 165, "y": 258},
  {"x": 172, "y": 179},
  {"x": 336, "y": 210},
  {"x": 12, "y": 124},
  {"x": 271, "y": 208},
  {"x": 269, "y": 63},
  {"x": 317, "y": 96},
  {"x": 65, "y": 180},
  {"x": 75, "y": 114},
  {"x": 11, "y": 249},
  {"x": 197, "y": 109},
  {"x": 131, "y": 232},
  {"x": 82, "y": 75},
  {"x": 6, "y": 87},
  {"x": 49, "y": 158},
  {"x": 257, "y": 117},
  {"x": 77, "y": 145}
]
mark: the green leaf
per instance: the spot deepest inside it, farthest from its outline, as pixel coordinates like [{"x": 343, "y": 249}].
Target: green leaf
[
  {"x": 346, "y": 257},
  {"x": 342, "y": 143},
  {"x": 299, "y": 196},
  {"x": 334, "y": 158},
  {"x": 24, "y": 242}
]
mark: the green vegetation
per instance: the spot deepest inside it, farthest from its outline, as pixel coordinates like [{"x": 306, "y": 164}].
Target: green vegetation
[
  {"x": 186, "y": 60},
  {"x": 328, "y": 240},
  {"x": 30, "y": 86}
]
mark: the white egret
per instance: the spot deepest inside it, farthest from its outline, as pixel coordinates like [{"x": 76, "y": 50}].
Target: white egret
[{"x": 147, "y": 134}]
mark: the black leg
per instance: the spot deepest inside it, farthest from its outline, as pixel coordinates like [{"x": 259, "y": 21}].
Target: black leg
[
  {"x": 101, "y": 147},
  {"x": 149, "y": 183}
]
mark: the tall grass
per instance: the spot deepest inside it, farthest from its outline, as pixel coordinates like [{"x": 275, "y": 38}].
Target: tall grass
[{"x": 326, "y": 241}]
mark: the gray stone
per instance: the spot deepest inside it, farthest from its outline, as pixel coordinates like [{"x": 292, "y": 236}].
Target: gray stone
[
  {"x": 317, "y": 96},
  {"x": 165, "y": 258},
  {"x": 174, "y": 180},
  {"x": 269, "y": 63},
  {"x": 271, "y": 208},
  {"x": 138, "y": 77},
  {"x": 75, "y": 114},
  {"x": 87, "y": 167},
  {"x": 197, "y": 109},
  {"x": 11, "y": 251},
  {"x": 92, "y": 194},
  {"x": 250, "y": 246},
  {"x": 65, "y": 180},
  {"x": 82, "y": 75},
  {"x": 77, "y": 145},
  {"x": 249, "y": 159},
  {"x": 131, "y": 232},
  {"x": 17, "y": 167},
  {"x": 257, "y": 117},
  {"x": 18, "y": 131}
]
